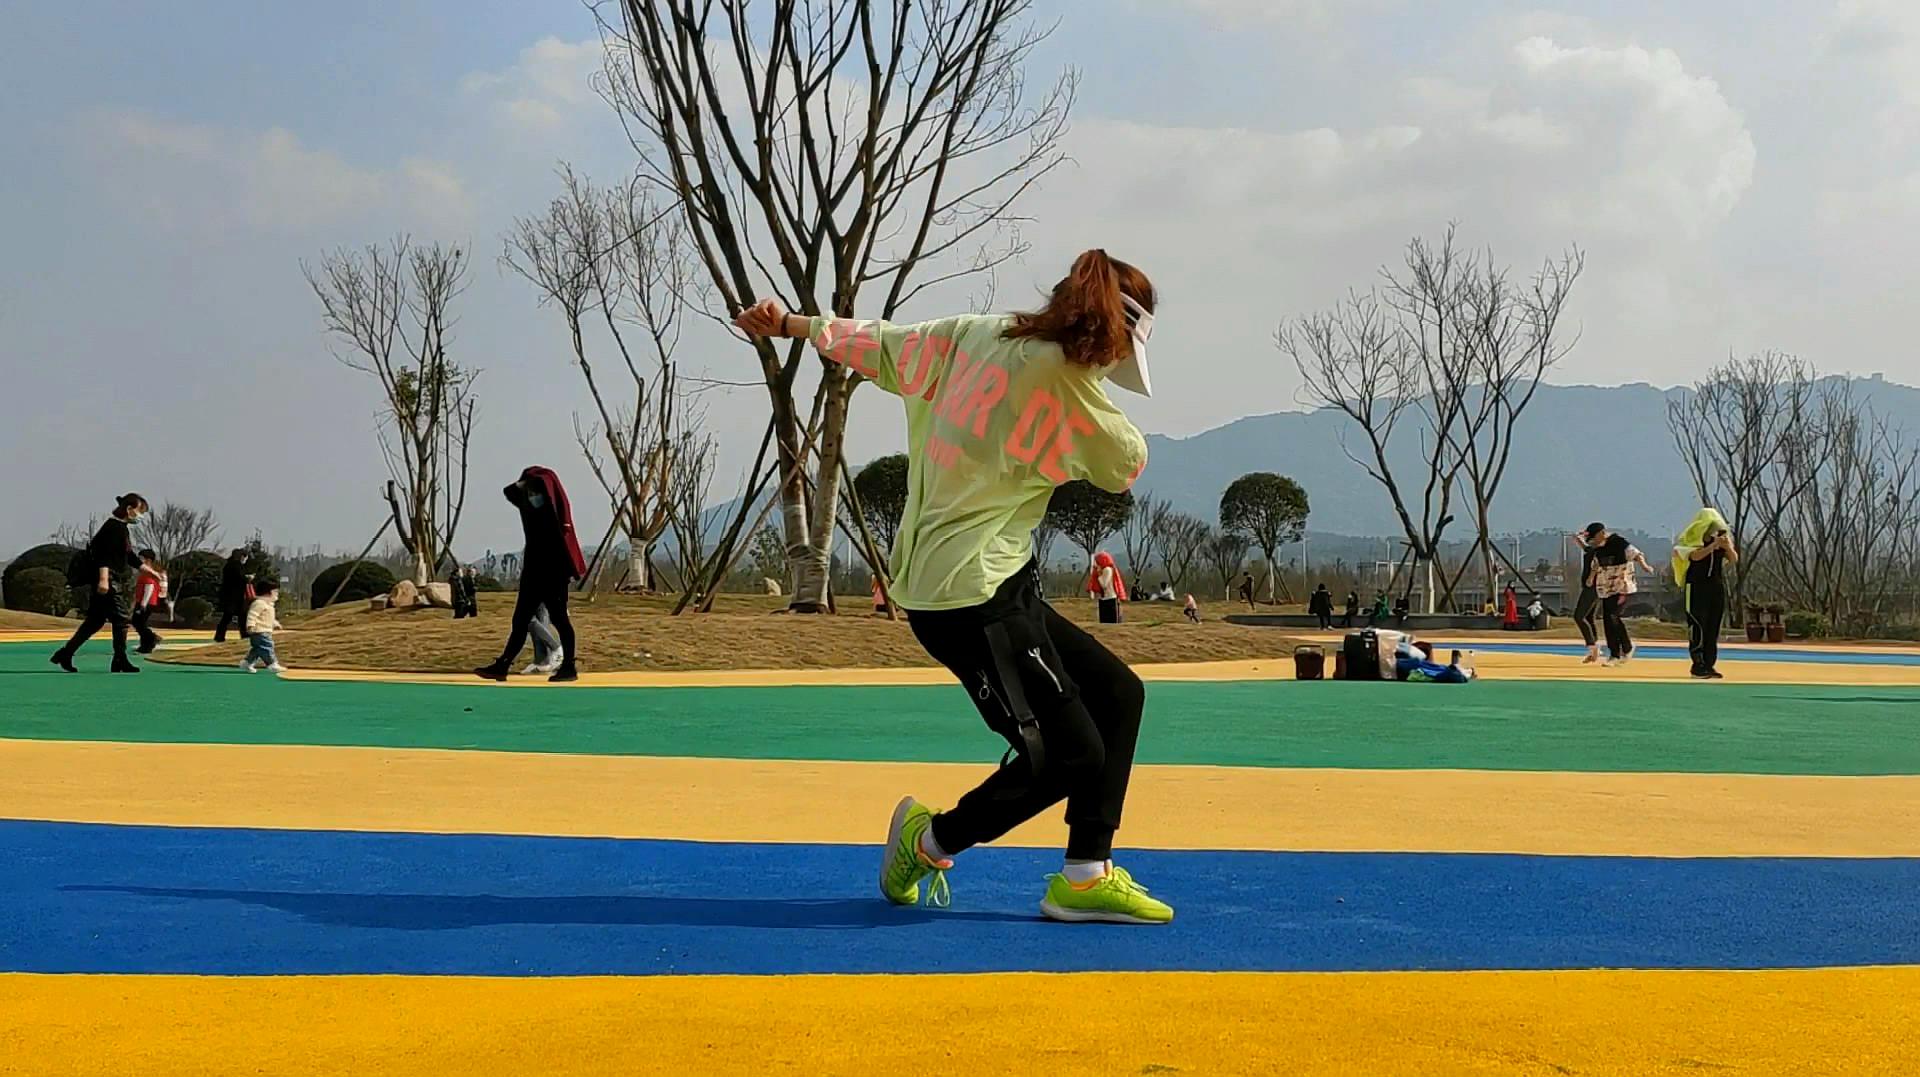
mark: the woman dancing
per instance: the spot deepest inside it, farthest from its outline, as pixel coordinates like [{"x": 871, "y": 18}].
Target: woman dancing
[{"x": 1000, "y": 411}]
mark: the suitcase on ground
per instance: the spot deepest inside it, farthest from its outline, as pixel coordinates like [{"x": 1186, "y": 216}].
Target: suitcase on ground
[
  {"x": 1362, "y": 653},
  {"x": 1309, "y": 663}
]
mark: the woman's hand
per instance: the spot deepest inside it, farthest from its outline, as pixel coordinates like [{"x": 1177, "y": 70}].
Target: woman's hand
[{"x": 767, "y": 318}]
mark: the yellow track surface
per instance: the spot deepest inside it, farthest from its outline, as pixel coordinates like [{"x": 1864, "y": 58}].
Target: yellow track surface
[
  {"x": 1857, "y": 1022},
  {"x": 1170, "y": 807}
]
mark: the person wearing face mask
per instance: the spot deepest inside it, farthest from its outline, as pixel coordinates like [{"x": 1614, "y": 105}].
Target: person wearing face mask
[
  {"x": 549, "y": 566},
  {"x": 104, "y": 584},
  {"x": 1000, "y": 411}
]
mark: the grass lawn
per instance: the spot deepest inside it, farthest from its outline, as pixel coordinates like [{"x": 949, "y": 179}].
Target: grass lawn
[{"x": 622, "y": 632}]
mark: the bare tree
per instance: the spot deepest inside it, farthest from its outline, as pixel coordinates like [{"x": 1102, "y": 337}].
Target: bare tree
[
  {"x": 690, "y": 483},
  {"x": 1735, "y": 431},
  {"x": 1179, "y": 538},
  {"x": 823, "y": 148},
  {"x": 174, "y": 529},
  {"x": 73, "y": 534},
  {"x": 392, "y": 309},
  {"x": 1848, "y": 537},
  {"x": 1510, "y": 336},
  {"x": 1358, "y": 359},
  {"x": 1136, "y": 535},
  {"x": 618, "y": 269},
  {"x": 1226, "y": 554},
  {"x": 1450, "y": 349}
]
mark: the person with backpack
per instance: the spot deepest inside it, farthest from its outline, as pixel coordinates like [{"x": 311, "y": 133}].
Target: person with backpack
[
  {"x": 1001, "y": 410},
  {"x": 102, "y": 578}
]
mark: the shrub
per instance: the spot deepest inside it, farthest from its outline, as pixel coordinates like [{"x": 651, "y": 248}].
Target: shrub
[
  {"x": 193, "y": 612},
  {"x": 195, "y": 575},
  {"x": 39, "y": 590},
  {"x": 1906, "y": 633},
  {"x": 488, "y": 583},
  {"x": 1805, "y": 624},
  {"x": 53, "y": 555},
  {"x": 370, "y": 579}
]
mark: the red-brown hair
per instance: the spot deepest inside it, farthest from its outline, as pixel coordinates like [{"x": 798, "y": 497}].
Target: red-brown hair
[{"x": 1084, "y": 314}]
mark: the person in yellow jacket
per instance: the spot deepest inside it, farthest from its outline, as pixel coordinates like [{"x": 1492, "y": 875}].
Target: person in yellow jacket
[
  {"x": 1001, "y": 409},
  {"x": 1700, "y": 559}
]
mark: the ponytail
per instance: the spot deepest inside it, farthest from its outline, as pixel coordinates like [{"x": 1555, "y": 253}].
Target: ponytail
[
  {"x": 127, "y": 502},
  {"x": 1084, "y": 315}
]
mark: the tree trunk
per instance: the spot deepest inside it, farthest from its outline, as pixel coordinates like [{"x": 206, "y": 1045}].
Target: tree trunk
[
  {"x": 812, "y": 577},
  {"x": 639, "y": 573}
]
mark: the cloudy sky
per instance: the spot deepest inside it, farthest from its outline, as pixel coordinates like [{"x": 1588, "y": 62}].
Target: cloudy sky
[{"x": 1742, "y": 175}]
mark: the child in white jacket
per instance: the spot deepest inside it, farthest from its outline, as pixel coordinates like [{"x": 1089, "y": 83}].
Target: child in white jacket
[{"x": 263, "y": 621}]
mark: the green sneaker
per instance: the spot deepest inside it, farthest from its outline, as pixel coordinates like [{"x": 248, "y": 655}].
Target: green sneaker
[
  {"x": 1114, "y": 898},
  {"x": 904, "y": 865}
]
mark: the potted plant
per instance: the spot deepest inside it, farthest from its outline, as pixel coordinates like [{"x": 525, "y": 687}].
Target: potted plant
[
  {"x": 1776, "y": 627},
  {"x": 1756, "y": 626}
]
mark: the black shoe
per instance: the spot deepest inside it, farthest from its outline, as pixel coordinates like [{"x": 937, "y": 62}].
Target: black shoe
[
  {"x": 121, "y": 665},
  {"x": 566, "y": 672},
  {"x": 1716, "y": 675},
  {"x": 64, "y": 661},
  {"x": 495, "y": 672},
  {"x": 148, "y": 648}
]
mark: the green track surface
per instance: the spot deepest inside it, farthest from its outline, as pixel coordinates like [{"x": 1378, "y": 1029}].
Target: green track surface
[{"x": 1513, "y": 725}]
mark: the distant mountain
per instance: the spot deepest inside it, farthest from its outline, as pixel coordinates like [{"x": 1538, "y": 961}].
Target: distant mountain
[{"x": 1581, "y": 453}]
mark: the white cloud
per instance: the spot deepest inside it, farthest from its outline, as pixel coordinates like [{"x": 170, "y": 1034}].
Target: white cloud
[
  {"x": 207, "y": 178},
  {"x": 550, "y": 82}
]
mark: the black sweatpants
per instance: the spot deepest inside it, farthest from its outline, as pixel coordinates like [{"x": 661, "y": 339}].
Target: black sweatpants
[
  {"x": 1326, "y": 621},
  {"x": 109, "y": 608},
  {"x": 1706, "y": 610},
  {"x": 230, "y": 615},
  {"x": 1067, "y": 707},
  {"x": 534, "y": 593},
  {"x": 1584, "y": 612},
  {"x": 1613, "y": 613}
]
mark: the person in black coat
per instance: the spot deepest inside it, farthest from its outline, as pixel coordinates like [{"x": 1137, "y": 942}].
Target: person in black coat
[
  {"x": 103, "y": 584},
  {"x": 233, "y": 595},
  {"x": 1320, "y": 604}
]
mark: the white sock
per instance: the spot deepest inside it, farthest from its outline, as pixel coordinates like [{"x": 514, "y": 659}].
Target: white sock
[
  {"x": 931, "y": 849},
  {"x": 1082, "y": 872}
]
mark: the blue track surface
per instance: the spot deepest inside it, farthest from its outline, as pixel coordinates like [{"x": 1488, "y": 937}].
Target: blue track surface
[
  {"x": 1735, "y": 653},
  {"x": 90, "y": 898}
]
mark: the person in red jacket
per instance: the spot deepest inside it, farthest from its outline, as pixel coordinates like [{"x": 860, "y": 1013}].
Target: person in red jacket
[
  {"x": 1510, "y": 609},
  {"x": 149, "y": 590}
]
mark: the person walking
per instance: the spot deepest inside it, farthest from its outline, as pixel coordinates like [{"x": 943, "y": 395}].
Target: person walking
[
  {"x": 102, "y": 578},
  {"x": 1320, "y": 604},
  {"x": 1107, "y": 588},
  {"x": 1700, "y": 561},
  {"x": 263, "y": 620},
  {"x": 1246, "y": 589},
  {"x": 1001, "y": 410},
  {"x": 149, "y": 590},
  {"x": 1614, "y": 562},
  {"x": 233, "y": 595},
  {"x": 551, "y": 563}
]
